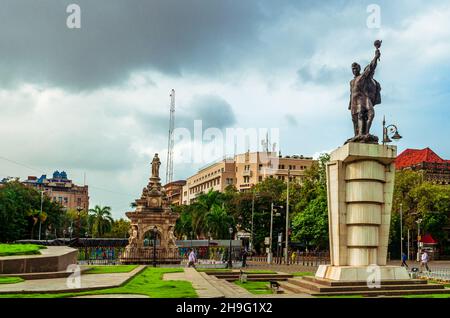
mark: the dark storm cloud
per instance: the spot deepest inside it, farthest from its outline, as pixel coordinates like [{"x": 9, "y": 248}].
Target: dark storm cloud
[{"x": 118, "y": 37}]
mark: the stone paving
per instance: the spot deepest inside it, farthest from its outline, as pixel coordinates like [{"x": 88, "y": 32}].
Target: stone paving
[
  {"x": 88, "y": 282},
  {"x": 202, "y": 286}
]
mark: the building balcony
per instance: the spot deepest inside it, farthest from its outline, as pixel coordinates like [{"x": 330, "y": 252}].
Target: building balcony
[{"x": 247, "y": 173}]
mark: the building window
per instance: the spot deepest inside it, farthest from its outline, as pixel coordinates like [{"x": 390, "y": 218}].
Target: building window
[
  {"x": 260, "y": 178},
  {"x": 246, "y": 179}
]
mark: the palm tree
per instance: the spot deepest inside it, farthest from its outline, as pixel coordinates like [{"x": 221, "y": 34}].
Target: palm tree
[
  {"x": 218, "y": 221},
  {"x": 102, "y": 220},
  {"x": 36, "y": 215}
]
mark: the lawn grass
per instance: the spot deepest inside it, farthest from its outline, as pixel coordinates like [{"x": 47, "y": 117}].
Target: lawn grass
[
  {"x": 20, "y": 249},
  {"x": 149, "y": 282},
  {"x": 300, "y": 274},
  {"x": 108, "y": 269},
  {"x": 257, "y": 288},
  {"x": 10, "y": 280}
]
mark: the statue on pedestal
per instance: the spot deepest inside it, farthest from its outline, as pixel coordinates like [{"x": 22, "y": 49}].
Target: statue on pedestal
[
  {"x": 155, "y": 166},
  {"x": 364, "y": 95}
]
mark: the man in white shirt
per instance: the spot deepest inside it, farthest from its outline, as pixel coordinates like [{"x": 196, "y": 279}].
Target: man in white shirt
[
  {"x": 191, "y": 259},
  {"x": 424, "y": 261}
]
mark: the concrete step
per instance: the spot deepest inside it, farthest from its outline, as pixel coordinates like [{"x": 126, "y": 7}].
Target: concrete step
[
  {"x": 387, "y": 292},
  {"x": 329, "y": 282},
  {"x": 318, "y": 287},
  {"x": 293, "y": 289}
]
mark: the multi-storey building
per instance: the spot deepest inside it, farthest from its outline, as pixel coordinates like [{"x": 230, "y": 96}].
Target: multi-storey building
[
  {"x": 436, "y": 169},
  {"x": 243, "y": 171},
  {"x": 60, "y": 189},
  {"x": 174, "y": 191}
]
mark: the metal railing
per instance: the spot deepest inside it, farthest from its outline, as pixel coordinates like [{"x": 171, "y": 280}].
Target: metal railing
[
  {"x": 312, "y": 259},
  {"x": 105, "y": 255}
]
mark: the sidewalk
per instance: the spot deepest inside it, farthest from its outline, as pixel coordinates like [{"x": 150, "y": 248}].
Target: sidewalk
[
  {"x": 202, "y": 286},
  {"x": 88, "y": 282}
]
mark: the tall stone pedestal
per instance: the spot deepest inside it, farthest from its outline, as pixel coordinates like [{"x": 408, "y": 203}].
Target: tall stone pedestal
[{"x": 360, "y": 183}]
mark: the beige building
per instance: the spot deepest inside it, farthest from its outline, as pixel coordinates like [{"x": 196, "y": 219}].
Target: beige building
[
  {"x": 62, "y": 190},
  {"x": 174, "y": 191},
  {"x": 244, "y": 171}
]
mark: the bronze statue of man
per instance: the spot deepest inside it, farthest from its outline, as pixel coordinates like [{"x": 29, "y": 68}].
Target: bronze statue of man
[{"x": 364, "y": 95}]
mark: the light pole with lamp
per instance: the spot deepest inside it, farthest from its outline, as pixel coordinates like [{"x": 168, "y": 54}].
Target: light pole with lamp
[
  {"x": 230, "y": 263},
  {"x": 155, "y": 231},
  {"x": 272, "y": 208},
  {"x": 401, "y": 230},
  {"x": 286, "y": 249},
  {"x": 418, "y": 238},
  {"x": 42, "y": 203},
  {"x": 390, "y": 129}
]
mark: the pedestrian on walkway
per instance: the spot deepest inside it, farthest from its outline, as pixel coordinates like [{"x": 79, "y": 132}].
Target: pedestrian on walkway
[
  {"x": 404, "y": 259},
  {"x": 424, "y": 261},
  {"x": 192, "y": 259},
  {"x": 244, "y": 257}
]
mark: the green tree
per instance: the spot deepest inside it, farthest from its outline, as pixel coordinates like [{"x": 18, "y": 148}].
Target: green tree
[
  {"x": 102, "y": 220},
  {"x": 16, "y": 202},
  {"x": 310, "y": 213},
  {"x": 119, "y": 229}
]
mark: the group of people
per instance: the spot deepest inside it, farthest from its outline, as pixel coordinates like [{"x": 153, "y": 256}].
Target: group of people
[
  {"x": 424, "y": 258},
  {"x": 192, "y": 257}
]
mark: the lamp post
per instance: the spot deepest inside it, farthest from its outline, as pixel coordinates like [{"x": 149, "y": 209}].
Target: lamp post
[
  {"x": 155, "y": 231},
  {"x": 286, "y": 258},
  {"x": 42, "y": 203},
  {"x": 401, "y": 230},
  {"x": 418, "y": 238},
  {"x": 390, "y": 129},
  {"x": 270, "y": 254},
  {"x": 230, "y": 263},
  {"x": 79, "y": 209}
]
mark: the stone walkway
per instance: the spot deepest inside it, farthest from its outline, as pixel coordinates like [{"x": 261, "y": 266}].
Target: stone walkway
[
  {"x": 88, "y": 282},
  {"x": 202, "y": 286}
]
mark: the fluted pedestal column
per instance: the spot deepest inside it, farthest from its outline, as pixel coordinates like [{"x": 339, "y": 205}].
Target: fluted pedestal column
[{"x": 360, "y": 183}]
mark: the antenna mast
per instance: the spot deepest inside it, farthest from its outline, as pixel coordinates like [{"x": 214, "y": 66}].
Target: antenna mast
[{"x": 169, "y": 169}]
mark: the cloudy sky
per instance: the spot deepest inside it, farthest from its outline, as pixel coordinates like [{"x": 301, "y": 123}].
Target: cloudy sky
[{"x": 95, "y": 100}]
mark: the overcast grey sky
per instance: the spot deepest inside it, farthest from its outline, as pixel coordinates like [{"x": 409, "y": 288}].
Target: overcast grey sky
[{"x": 95, "y": 100}]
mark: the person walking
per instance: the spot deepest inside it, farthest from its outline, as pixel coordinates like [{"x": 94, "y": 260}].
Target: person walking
[
  {"x": 192, "y": 259},
  {"x": 404, "y": 259},
  {"x": 244, "y": 257},
  {"x": 424, "y": 261}
]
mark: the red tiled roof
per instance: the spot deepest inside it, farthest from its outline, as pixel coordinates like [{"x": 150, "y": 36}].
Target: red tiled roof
[{"x": 411, "y": 157}]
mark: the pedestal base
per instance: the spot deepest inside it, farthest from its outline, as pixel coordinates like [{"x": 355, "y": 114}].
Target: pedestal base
[{"x": 362, "y": 273}]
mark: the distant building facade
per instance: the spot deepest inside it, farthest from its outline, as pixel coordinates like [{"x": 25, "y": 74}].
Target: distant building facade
[
  {"x": 435, "y": 169},
  {"x": 174, "y": 191},
  {"x": 62, "y": 190},
  {"x": 243, "y": 171}
]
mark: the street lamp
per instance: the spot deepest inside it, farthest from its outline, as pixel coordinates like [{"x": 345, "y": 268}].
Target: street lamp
[
  {"x": 401, "y": 230},
  {"x": 230, "y": 263},
  {"x": 70, "y": 231},
  {"x": 272, "y": 208},
  {"x": 390, "y": 129},
  {"x": 155, "y": 231},
  {"x": 418, "y": 238},
  {"x": 40, "y": 222},
  {"x": 79, "y": 209}
]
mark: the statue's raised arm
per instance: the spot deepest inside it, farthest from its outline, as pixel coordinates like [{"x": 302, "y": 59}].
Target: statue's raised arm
[{"x": 369, "y": 71}]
